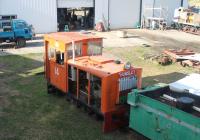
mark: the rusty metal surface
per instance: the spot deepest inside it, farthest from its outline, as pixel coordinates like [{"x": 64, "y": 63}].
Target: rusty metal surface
[{"x": 185, "y": 57}]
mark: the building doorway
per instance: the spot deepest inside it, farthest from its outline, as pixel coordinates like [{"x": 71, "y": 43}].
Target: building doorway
[{"x": 71, "y": 19}]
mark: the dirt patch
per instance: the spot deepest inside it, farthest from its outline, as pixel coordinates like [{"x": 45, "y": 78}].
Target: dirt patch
[
  {"x": 170, "y": 39},
  {"x": 136, "y": 37},
  {"x": 112, "y": 40}
]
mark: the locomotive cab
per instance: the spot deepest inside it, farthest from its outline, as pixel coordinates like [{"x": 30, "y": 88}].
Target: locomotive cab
[{"x": 74, "y": 64}]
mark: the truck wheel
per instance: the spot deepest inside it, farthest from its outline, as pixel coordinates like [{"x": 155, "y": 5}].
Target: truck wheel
[{"x": 21, "y": 42}]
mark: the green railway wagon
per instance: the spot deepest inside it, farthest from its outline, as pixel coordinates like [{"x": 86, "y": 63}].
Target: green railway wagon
[{"x": 159, "y": 114}]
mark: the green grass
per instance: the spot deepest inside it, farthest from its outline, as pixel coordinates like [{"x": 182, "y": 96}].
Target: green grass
[
  {"x": 152, "y": 72},
  {"x": 27, "y": 112}
]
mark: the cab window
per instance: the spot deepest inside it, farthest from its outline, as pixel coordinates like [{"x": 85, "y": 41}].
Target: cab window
[
  {"x": 94, "y": 48},
  {"x": 78, "y": 50},
  {"x": 51, "y": 53},
  {"x": 60, "y": 57}
]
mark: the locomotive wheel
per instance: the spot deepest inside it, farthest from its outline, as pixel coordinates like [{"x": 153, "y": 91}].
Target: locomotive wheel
[
  {"x": 59, "y": 93},
  {"x": 68, "y": 98},
  {"x": 85, "y": 108},
  {"x": 90, "y": 112},
  {"x": 183, "y": 64},
  {"x": 98, "y": 117},
  {"x": 193, "y": 30},
  {"x": 49, "y": 88},
  {"x": 186, "y": 28},
  {"x": 78, "y": 104}
]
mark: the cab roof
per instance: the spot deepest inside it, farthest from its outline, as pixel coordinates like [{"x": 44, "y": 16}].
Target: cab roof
[
  {"x": 98, "y": 65},
  {"x": 18, "y": 20},
  {"x": 68, "y": 37}
]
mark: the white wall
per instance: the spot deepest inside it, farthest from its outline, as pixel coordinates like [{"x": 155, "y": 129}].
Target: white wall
[
  {"x": 42, "y": 14},
  {"x": 185, "y": 3},
  {"x": 101, "y": 12},
  {"x": 170, "y": 5},
  {"x": 75, "y": 3},
  {"x": 122, "y": 14}
]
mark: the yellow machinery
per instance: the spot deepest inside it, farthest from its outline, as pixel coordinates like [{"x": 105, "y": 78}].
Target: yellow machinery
[{"x": 187, "y": 20}]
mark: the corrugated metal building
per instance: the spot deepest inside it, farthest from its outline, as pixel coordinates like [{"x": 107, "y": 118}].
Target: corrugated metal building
[
  {"x": 167, "y": 7},
  {"x": 117, "y": 14},
  {"x": 42, "y": 14},
  {"x": 128, "y": 13}
]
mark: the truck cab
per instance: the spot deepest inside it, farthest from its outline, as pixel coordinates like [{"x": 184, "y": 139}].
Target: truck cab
[{"x": 16, "y": 30}]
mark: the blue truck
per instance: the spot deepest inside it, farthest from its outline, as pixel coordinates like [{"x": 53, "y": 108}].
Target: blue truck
[{"x": 17, "y": 31}]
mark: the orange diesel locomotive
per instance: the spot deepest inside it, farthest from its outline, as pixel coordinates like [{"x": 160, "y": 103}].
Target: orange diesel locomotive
[{"x": 74, "y": 64}]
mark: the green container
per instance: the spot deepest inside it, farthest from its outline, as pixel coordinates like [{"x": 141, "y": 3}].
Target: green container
[{"x": 160, "y": 121}]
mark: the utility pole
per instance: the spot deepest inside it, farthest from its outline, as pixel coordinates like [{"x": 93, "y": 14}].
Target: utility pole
[{"x": 181, "y": 3}]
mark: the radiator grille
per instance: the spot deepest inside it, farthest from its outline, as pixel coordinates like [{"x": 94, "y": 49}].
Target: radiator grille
[{"x": 126, "y": 83}]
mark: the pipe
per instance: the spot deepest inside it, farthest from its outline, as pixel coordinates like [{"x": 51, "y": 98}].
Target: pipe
[
  {"x": 94, "y": 12},
  {"x": 181, "y": 3},
  {"x": 169, "y": 98},
  {"x": 73, "y": 47},
  {"x": 154, "y": 2},
  {"x": 175, "y": 100},
  {"x": 140, "y": 16},
  {"x": 196, "y": 108},
  {"x": 108, "y": 14}
]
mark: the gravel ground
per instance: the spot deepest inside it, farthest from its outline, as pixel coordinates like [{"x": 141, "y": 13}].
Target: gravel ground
[
  {"x": 136, "y": 37},
  {"x": 32, "y": 46},
  {"x": 112, "y": 39},
  {"x": 170, "y": 39}
]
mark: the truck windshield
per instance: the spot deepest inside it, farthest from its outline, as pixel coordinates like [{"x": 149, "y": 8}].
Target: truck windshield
[
  {"x": 21, "y": 25},
  {"x": 94, "y": 48}
]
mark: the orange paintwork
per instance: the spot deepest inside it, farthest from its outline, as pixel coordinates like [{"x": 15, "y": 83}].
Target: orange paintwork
[
  {"x": 106, "y": 69},
  {"x": 66, "y": 38}
]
